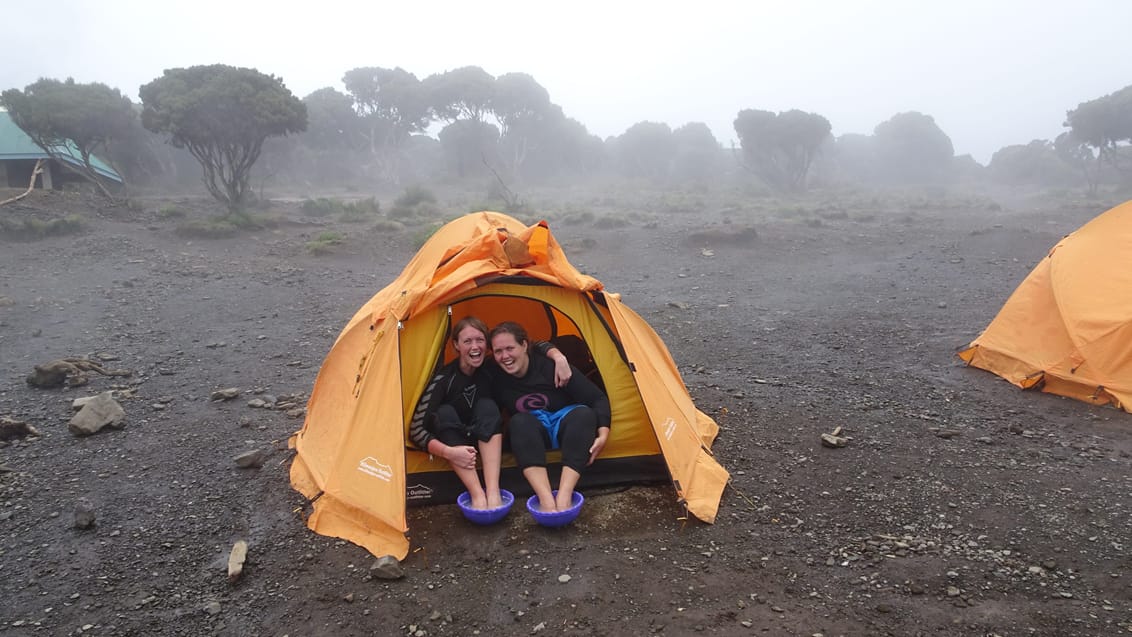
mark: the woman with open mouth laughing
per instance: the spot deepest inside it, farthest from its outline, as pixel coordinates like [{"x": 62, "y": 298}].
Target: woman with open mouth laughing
[{"x": 573, "y": 417}]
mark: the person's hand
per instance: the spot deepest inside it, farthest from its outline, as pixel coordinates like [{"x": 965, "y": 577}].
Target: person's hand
[
  {"x": 462, "y": 457},
  {"x": 562, "y": 371},
  {"x": 599, "y": 444}
]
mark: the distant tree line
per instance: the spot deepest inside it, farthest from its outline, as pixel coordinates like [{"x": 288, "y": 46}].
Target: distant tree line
[{"x": 390, "y": 128}]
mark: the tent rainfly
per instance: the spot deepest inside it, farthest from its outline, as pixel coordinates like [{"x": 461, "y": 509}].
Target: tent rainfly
[{"x": 1067, "y": 328}]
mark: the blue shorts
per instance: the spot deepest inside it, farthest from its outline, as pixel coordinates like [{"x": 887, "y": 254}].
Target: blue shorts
[{"x": 552, "y": 420}]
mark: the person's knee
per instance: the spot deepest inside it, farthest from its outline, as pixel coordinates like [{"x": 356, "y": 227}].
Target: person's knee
[
  {"x": 527, "y": 442},
  {"x": 579, "y": 424},
  {"x": 582, "y": 415},
  {"x": 486, "y": 420},
  {"x": 486, "y": 410},
  {"x": 446, "y": 416},
  {"x": 576, "y": 436},
  {"x": 452, "y": 437},
  {"x": 524, "y": 425}
]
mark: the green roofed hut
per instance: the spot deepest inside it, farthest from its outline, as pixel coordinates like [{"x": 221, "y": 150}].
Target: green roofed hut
[{"x": 18, "y": 154}]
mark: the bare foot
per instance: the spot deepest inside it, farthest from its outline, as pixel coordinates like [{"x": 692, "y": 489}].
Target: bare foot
[
  {"x": 479, "y": 501},
  {"x": 494, "y": 500},
  {"x": 547, "y": 506},
  {"x": 564, "y": 500}
]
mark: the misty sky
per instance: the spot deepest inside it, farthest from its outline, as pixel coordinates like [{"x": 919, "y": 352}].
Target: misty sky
[{"x": 990, "y": 73}]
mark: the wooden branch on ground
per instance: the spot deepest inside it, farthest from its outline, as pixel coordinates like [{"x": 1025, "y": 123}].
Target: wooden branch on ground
[{"x": 35, "y": 172}]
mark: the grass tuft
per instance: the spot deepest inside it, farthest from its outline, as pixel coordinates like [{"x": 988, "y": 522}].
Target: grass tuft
[
  {"x": 324, "y": 243},
  {"x": 33, "y": 229}
]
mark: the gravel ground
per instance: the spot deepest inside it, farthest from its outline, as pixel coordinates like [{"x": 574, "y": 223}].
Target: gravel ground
[{"x": 959, "y": 506}]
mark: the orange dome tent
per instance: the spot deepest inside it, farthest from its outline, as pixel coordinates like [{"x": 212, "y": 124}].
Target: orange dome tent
[
  {"x": 1067, "y": 329},
  {"x": 354, "y": 458}
]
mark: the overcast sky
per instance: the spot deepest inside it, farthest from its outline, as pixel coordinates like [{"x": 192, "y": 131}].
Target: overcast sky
[{"x": 990, "y": 73}]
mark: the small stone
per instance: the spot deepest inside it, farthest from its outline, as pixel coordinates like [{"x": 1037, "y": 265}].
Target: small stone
[
  {"x": 952, "y": 591},
  {"x": 387, "y": 567},
  {"x": 78, "y": 403},
  {"x": 225, "y": 394},
  {"x": 101, "y": 411},
  {"x": 251, "y": 459},
  {"x": 257, "y": 403},
  {"x": 833, "y": 442},
  {"x": 84, "y": 514},
  {"x": 562, "y": 579},
  {"x": 236, "y": 559},
  {"x": 212, "y": 608}
]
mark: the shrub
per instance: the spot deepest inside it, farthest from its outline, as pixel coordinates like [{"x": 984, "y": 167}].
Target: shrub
[
  {"x": 211, "y": 228},
  {"x": 358, "y": 210},
  {"x": 31, "y": 228},
  {"x": 248, "y": 221},
  {"x": 416, "y": 202},
  {"x": 584, "y": 216},
  {"x": 320, "y": 207},
  {"x": 324, "y": 242},
  {"x": 388, "y": 225},
  {"x": 170, "y": 211},
  {"x": 414, "y": 196}
]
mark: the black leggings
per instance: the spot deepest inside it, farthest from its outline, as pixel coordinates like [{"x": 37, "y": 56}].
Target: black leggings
[
  {"x": 486, "y": 422},
  {"x": 576, "y": 434}
]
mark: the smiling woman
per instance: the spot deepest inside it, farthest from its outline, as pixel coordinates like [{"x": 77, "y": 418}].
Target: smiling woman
[
  {"x": 456, "y": 416},
  {"x": 573, "y": 418}
]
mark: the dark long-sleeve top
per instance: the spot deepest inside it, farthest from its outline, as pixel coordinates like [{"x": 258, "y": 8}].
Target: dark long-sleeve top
[{"x": 536, "y": 390}]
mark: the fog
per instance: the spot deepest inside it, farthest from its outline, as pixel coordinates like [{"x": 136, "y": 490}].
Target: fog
[{"x": 991, "y": 74}]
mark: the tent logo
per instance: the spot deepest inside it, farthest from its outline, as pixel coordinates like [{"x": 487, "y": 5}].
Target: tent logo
[
  {"x": 370, "y": 466},
  {"x": 669, "y": 428},
  {"x": 418, "y": 492}
]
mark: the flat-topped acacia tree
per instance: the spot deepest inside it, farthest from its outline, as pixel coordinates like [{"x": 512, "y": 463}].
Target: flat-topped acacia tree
[{"x": 222, "y": 115}]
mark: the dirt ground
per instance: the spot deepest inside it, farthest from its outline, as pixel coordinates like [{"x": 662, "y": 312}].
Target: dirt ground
[{"x": 960, "y": 506}]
